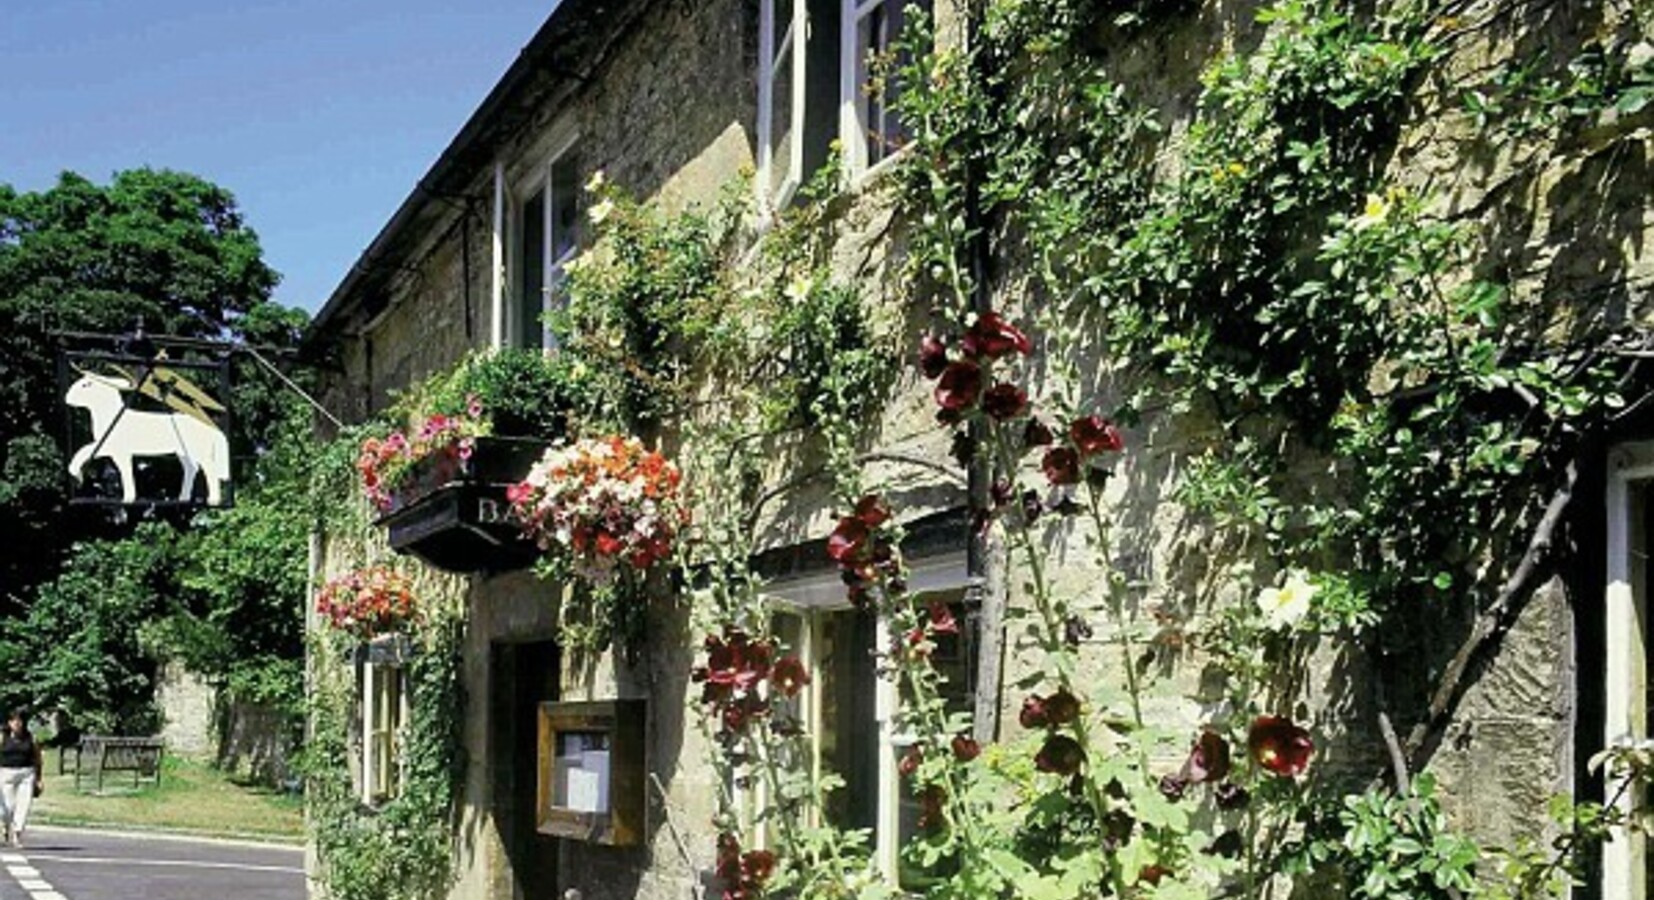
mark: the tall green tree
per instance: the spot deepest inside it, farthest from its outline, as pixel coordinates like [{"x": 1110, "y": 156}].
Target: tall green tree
[{"x": 167, "y": 247}]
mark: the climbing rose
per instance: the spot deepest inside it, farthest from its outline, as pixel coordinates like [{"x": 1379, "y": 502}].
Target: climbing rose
[
  {"x": 1005, "y": 402},
  {"x": 1061, "y": 466},
  {"x": 965, "y": 749},
  {"x": 1280, "y": 746},
  {"x": 1285, "y": 606},
  {"x": 1095, "y": 434},
  {"x": 1061, "y": 755},
  {"x": 994, "y": 337},
  {"x": 959, "y": 386}
]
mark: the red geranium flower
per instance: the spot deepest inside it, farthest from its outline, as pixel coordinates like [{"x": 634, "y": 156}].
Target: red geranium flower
[
  {"x": 960, "y": 385},
  {"x": 933, "y": 355},
  {"x": 1095, "y": 434},
  {"x": 1061, "y": 466},
  {"x": 1280, "y": 746},
  {"x": 994, "y": 337},
  {"x": 1005, "y": 401}
]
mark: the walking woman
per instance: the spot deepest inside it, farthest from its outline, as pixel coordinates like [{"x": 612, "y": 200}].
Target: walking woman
[{"x": 20, "y": 775}]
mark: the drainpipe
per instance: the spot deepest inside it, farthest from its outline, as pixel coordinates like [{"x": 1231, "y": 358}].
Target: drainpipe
[{"x": 985, "y": 556}]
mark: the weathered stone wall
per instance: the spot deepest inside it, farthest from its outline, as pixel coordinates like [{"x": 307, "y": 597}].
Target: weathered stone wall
[{"x": 670, "y": 115}]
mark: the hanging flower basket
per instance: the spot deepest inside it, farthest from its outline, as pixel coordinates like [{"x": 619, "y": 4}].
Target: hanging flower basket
[
  {"x": 368, "y": 603},
  {"x": 450, "y": 508},
  {"x": 602, "y": 507}
]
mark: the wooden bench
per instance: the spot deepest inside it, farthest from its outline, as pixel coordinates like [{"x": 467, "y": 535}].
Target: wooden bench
[{"x": 139, "y": 755}]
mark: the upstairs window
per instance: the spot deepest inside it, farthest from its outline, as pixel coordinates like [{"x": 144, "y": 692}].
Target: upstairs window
[
  {"x": 798, "y": 69},
  {"x": 546, "y": 231},
  {"x": 873, "y": 31}
]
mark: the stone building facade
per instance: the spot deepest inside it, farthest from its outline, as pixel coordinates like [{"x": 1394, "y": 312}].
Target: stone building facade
[{"x": 674, "y": 100}]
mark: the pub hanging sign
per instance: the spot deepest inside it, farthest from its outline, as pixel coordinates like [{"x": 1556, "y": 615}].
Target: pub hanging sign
[{"x": 147, "y": 426}]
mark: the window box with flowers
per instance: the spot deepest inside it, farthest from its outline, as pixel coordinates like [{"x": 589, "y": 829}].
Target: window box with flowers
[{"x": 441, "y": 493}]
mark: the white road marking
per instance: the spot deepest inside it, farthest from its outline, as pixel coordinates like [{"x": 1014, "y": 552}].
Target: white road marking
[
  {"x": 12, "y": 858},
  {"x": 18, "y": 871},
  {"x": 181, "y": 863},
  {"x": 34, "y": 885}
]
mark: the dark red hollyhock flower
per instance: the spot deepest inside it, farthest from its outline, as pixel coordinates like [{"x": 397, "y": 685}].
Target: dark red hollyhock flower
[
  {"x": 994, "y": 337},
  {"x": 1208, "y": 759},
  {"x": 1229, "y": 844},
  {"x": 909, "y": 763},
  {"x": 729, "y": 859},
  {"x": 789, "y": 675},
  {"x": 941, "y": 618},
  {"x": 1036, "y": 434},
  {"x": 1061, "y": 755},
  {"x": 1172, "y": 787},
  {"x": 1230, "y": 795},
  {"x": 1033, "y": 713},
  {"x": 848, "y": 542},
  {"x": 965, "y": 749},
  {"x": 1152, "y": 874},
  {"x": 1061, "y": 466},
  {"x": 1005, "y": 401},
  {"x": 959, "y": 386},
  {"x": 930, "y": 806},
  {"x": 1280, "y": 746},
  {"x": 1061, "y": 708},
  {"x": 933, "y": 356},
  {"x": 1095, "y": 434},
  {"x": 872, "y": 511},
  {"x": 757, "y": 866}
]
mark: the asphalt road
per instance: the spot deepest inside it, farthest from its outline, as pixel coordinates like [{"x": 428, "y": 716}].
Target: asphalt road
[{"x": 71, "y": 864}]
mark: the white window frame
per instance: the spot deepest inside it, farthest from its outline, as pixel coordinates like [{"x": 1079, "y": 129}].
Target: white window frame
[
  {"x": 794, "y": 41},
  {"x": 375, "y": 676},
  {"x": 853, "y": 74},
  {"x": 809, "y": 598},
  {"x": 553, "y": 267},
  {"x": 1630, "y": 488}
]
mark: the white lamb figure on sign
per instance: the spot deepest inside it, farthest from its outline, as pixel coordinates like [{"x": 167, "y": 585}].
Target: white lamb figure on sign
[{"x": 198, "y": 445}]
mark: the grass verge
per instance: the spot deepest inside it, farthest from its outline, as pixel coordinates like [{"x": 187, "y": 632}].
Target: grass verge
[{"x": 192, "y": 798}]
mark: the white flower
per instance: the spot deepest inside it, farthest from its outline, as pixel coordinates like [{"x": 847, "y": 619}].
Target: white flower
[
  {"x": 601, "y": 211},
  {"x": 596, "y": 182},
  {"x": 1286, "y": 605},
  {"x": 1376, "y": 211},
  {"x": 799, "y": 290}
]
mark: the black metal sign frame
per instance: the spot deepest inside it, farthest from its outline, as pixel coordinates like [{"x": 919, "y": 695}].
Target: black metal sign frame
[{"x": 162, "y": 381}]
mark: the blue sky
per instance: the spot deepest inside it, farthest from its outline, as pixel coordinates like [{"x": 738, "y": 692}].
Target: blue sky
[{"x": 318, "y": 114}]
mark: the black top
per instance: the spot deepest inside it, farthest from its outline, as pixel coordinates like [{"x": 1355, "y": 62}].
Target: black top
[{"x": 17, "y": 751}]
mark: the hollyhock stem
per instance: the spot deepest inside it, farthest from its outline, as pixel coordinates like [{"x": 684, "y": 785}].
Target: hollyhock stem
[
  {"x": 1052, "y": 639},
  {"x": 1116, "y": 604}
]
